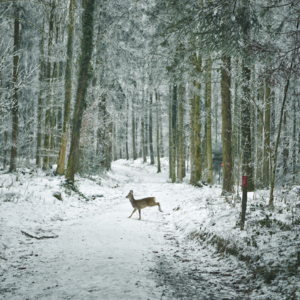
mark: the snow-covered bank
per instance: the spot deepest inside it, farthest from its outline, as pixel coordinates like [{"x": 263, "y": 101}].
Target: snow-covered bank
[{"x": 194, "y": 249}]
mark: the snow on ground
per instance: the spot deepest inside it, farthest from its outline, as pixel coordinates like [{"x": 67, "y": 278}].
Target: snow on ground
[{"x": 193, "y": 250}]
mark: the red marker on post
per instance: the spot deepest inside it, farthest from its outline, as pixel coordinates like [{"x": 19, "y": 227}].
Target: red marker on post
[{"x": 244, "y": 180}]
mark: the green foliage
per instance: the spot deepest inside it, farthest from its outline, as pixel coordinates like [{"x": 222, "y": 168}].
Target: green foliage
[{"x": 267, "y": 222}]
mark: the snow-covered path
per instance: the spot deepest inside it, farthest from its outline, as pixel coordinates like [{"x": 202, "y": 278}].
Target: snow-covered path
[{"x": 101, "y": 255}]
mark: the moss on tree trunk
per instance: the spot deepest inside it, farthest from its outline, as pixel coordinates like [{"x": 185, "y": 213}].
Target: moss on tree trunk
[{"x": 83, "y": 79}]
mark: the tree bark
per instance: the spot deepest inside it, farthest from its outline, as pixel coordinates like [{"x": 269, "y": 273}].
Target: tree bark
[
  {"x": 83, "y": 77},
  {"x": 174, "y": 140},
  {"x": 15, "y": 103},
  {"x": 47, "y": 134},
  {"x": 208, "y": 125},
  {"x": 143, "y": 130},
  {"x": 192, "y": 141},
  {"x": 260, "y": 141},
  {"x": 68, "y": 93},
  {"x": 266, "y": 164},
  {"x": 59, "y": 110},
  {"x": 246, "y": 129},
  {"x": 273, "y": 168},
  {"x": 294, "y": 138},
  {"x": 133, "y": 133},
  {"x": 170, "y": 130},
  {"x": 150, "y": 132},
  {"x": 285, "y": 146},
  {"x": 40, "y": 103},
  {"x": 180, "y": 161},
  {"x": 197, "y": 122},
  {"x": 226, "y": 124},
  {"x": 53, "y": 115},
  {"x": 235, "y": 129},
  {"x": 157, "y": 132}
]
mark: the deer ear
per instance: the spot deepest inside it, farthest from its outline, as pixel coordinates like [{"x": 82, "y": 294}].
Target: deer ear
[{"x": 131, "y": 192}]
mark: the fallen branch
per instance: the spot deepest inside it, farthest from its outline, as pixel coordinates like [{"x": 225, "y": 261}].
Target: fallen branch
[
  {"x": 3, "y": 258},
  {"x": 41, "y": 237}
]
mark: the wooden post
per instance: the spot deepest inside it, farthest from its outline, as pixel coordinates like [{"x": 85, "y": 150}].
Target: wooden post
[{"x": 244, "y": 201}]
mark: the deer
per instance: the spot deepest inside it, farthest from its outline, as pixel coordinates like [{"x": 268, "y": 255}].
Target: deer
[{"x": 141, "y": 203}]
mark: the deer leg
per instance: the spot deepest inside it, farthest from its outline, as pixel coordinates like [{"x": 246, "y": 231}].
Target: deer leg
[
  {"x": 157, "y": 203},
  {"x": 139, "y": 213},
  {"x": 132, "y": 213}
]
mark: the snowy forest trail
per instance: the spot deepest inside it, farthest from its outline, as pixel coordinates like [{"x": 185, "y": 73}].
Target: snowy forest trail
[{"x": 102, "y": 254}]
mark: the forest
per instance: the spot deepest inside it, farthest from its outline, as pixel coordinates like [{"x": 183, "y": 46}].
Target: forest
[{"x": 202, "y": 95}]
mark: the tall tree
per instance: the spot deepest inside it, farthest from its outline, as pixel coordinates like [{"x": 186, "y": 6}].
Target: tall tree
[
  {"x": 208, "y": 125},
  {"x": 259, "y": 138},
  {"x": 174, "y": 140},
  {"x": 170, "y": 130},
  {"x": 143, "y": 129},
  {"x": 68, "y": 92},
  {"x": 267, "y": 123},
  {"x": 15, "y": 103},
  {"x": 157, "y": 131},
  {"x": 246, "y": 128},
  {"x": 83, "y": 78},
  {"x": 150, "y": 131},
  {"x": 192, "y": 140},
  {"x": 180, "y": 161},
  {"x": 133, "y": 127},
  {"x": 226, "y": 123},
  {"x": 197, "y": 120},
  {"x": 47, "y": 134},
  {"x": 294, "y": 137},
  {"x": 40, "y": 103},
  {"x": 285, "y": 146},
  {"x": 126, "y": 134}
]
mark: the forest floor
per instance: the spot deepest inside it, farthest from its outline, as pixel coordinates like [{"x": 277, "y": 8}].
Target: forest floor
[{"x": 78, "y": 249}]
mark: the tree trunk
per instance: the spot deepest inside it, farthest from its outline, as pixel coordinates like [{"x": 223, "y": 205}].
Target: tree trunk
[
  {"x": 162, "y": 151},
  {"x": 108, "y": 154},
  {"x": 192, "y": 141},
  {"x": 294, "y": 138},
  {"x": 40, "y": 103},
  {"x": 260, "y": 141},
  {"x": 150, "y": 132},
  {"x": 180, "y": 161},
  {"x": 83, "y": 77},
  {"x": 208, "y": 125},
  {"x": 266, "y": 164},
  {"x": 246, "y": 129},
  {"x": 285, "y": 146},
  {"x": 273, "y": 168},
  {"x": 15, "y": 103},
  {"x": 174, "y": 123},
  {"x": 157, "y": 132},
  {"x": 133, "y": 133},
  {"x": 68, "y": 92},
  {"x": 53, "y": 115},
  {"x": 226, "y": 124},
  {"x": 236, "y": 123},
  {"x": 59, "y": 109},
  {"x": 253, "y": 135},
  {"x": 170, "y": 131},
  {"x": 126, "y": 142},
  {"x": 197, "y": 122},
  {"x": 143, "y": 130},
  {"x": 5, "y": 148},
  {"x": 47, "y": 134},
  {"x": 146, "y": 128}
]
